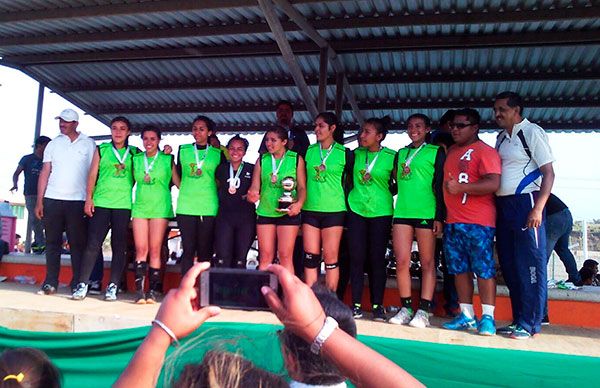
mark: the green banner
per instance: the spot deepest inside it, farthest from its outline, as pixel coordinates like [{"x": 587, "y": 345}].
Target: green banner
[{"x": 96, "y": 359}]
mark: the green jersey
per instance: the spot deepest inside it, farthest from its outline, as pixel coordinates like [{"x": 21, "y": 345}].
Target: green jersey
[
  {"x": 324, "y": 178},
  {"x": 198, "y": 190},
  {"x": 114, "y": 184},
  {"x": 152, "y": 190},
  {"x": 270, "y": 191},
  {"x": 416, "y": 197},
  {"x": 371, "y": 196}
]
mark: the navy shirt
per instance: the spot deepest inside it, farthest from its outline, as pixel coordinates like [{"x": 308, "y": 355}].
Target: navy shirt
[
  {"x": 235, "y": 203},
  {"x": 31, "y": 165}
]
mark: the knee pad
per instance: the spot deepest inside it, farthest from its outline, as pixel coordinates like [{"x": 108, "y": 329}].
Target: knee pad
[
  {"x": 332, "y": 265},
  {"x": 312, "y": 260}
]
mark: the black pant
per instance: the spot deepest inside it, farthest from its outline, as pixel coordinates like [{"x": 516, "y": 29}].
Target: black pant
[
  {"x": 61, "y": 216},
  {"x": 367, "y": 242},
  {"x": 118, "y": 221},
  {"x": 197, "y": 237},
  {"x": 234, "y": 234}
]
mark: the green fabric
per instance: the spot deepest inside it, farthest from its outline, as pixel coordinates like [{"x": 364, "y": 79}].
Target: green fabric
[
  {"x": 271, "y": 192},
  {"x": 114, "y": 184},
  {"x": 97, "y": 359},
  {"x": 198, "y": 193},
  {"x": 416, "y": 198},
  {"x": 153, "y": 199},
  {"x": 324, "y": 188},
  {"x": 372, "y": 199}
]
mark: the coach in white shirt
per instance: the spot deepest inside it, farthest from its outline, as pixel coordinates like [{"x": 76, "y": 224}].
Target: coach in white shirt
[{"x": 61, "y": 196}]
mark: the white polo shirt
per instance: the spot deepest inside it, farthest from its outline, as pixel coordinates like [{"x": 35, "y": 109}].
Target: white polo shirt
[
  {"x": 70, "y": 167},
  {"x": 520, "y": 174}
]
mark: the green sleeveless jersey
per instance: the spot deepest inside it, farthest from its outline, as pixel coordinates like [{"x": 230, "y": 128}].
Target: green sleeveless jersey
[
  {"x": 153, "y": 198},
  {"x": 372, "y": 197},
  {"x": 324, "y": 181},
  {"x": 114, "y": 184},
  {"x": 198, "y": 191},
  {"x": 271, "y": 192},
  {"x": 416, "y": 198}
]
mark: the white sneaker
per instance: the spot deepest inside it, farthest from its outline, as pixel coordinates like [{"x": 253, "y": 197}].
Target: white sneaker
[
  {"x": 80, "y": 292},
  {"x": 111, "y": 292},
  {"x": 402, "y": 318},
  {"x": 420, "y": 320}
]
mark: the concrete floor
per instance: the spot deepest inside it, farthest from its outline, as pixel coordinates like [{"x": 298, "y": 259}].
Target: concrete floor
[{"x": 22, "y": 309}]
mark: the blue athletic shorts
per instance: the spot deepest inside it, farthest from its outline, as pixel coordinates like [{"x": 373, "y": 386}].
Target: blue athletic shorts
[{"x": 470, "y": 248}]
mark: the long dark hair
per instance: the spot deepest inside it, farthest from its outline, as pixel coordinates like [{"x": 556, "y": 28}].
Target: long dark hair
[{"x": 381, "y": 125}]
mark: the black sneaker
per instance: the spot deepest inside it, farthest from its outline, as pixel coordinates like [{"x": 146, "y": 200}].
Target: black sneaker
[
  {"x": 151, "y": 297},
  {"x": 357, "y": 311},
  {"x": 379, "y": 313},
  {"x": 140, "y": 297},
  {"x": 47, "y": 289},
  {"x": 545, "y": 320},
  {"x": 95, "y": 288}
]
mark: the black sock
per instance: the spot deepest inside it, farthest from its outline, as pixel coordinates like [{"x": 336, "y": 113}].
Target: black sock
[
  {"x": 154, "y": 279},
  {"x": 406, "y": 302},
  {"x": 425, "y": 305},
  {"x": 141, "y": 267}
]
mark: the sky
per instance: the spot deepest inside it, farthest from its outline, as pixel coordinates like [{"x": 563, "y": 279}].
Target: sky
[{"x": 577, "y": 155}]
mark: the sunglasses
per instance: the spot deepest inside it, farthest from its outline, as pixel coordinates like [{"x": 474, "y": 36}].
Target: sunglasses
[{"x": 459, "y": 125}]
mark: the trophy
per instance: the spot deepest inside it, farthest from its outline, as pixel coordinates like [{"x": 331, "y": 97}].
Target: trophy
[{"x": 289, "y": 184}]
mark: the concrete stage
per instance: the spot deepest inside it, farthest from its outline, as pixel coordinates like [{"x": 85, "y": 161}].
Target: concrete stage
[{"x": 22, "y": 309}]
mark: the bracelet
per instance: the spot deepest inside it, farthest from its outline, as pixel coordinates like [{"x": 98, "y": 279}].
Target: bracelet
[
  {"x": 328, "y": 328},
  {"x": 168, "y": 331}
]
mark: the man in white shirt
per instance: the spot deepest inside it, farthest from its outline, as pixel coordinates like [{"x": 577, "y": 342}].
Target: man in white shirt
[
  {"x": 525, "y": 185},
  {"x": 61, "y": 196}
]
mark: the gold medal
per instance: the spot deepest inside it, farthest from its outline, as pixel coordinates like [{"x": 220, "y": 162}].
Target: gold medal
[
  {"x": 232, "y": 190},
  {"x": 147, "y": 178},
  {"x": 273, "y": 178}
]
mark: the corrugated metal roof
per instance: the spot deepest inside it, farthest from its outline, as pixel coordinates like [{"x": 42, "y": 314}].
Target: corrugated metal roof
[{"x": 223, "y": 59}]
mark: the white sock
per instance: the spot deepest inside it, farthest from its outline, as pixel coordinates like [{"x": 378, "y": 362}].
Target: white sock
[
  {"x": 488, "y": 309},
  {"x": 467, "y": 309}
]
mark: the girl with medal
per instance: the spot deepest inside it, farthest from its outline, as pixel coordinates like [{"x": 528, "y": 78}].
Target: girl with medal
[
  {"x": 236, "y": 221},
  {"x": 324, "y": 212},
  {"x": 419, "y": 213},
  {"x": 277, "y": 228},
  {"x": 370, "y": 214},
  {"x": 108, "y": 206},
  {"x": 154, "y": 172},
  {"x": 198, "y": 204}
]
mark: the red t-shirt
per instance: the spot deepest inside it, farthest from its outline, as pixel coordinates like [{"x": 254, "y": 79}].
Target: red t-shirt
[{"x": 468, "y": 164}]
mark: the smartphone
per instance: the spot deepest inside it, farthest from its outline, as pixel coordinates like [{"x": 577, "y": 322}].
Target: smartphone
[{"x": 235, "y": 288}]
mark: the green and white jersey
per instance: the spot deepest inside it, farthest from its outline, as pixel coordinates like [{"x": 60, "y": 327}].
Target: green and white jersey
[
  {"x": 198, "y": 189},
  {"x": 270, "y": 191},
  {"x": 325, "y": 178},
  {"x": 114, "y": 184},
  {"x": 152, "y": 191}
]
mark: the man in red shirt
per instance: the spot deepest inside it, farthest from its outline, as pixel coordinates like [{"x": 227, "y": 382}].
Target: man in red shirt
[{"x": 471, "y": 177}]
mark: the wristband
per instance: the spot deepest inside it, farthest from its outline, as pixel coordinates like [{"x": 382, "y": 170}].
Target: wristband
[
  {"x": 328, "y": 328},
  {"x": 168, "y": 331}
]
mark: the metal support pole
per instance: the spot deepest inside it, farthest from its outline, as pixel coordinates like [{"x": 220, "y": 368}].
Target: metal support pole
[
  {"x": 339, "y": 96},
  {"x": 584, "y": 229},
  {"x": 288, "y": 56},
  {"x": 38, "y": 114},
  {"x": 323, "y": 61}
]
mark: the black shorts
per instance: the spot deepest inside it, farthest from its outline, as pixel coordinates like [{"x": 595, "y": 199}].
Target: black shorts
[
  {"x": 279, "y": 221},
  {"x": 323, "y": 220},
  {"x": 417, "y": 223}
]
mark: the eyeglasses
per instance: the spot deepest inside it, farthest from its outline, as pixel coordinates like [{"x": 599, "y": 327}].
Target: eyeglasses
[{"x": 459, "y": 125}]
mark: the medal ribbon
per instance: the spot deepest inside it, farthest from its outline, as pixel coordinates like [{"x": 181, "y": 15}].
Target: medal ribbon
[
  {"x": 410, "y": 158},
  {"x": 274, "y": 166},
  {"x": 148, "y": 167},
  {"x": 324, "y": 159},
  {"x": 234, "y": 181},
  {"x": 116, "y": 152},
  {"x": 369, "y": 166},
  {"x": 199, "y": 162}
]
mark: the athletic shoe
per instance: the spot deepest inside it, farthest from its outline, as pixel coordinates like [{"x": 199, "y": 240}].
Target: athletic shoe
[
  {"x": 545, "y": 320},
  {"x": 379, "y": 313},
  {"x": 95, "y": 288},
  {"x": 111, "y": 292},
  {"x": 151, "y": 297},
  {"x": 80, "y": 292},
  {"x": 486, "y": 325},
  {"x": 140, "y": 297},
  {"x": 403, "y": 317},
  {"x": 520, "y": 334},
  {"x": 46, "y": 289},
  {"x": 506, "y": 330},
  {"x": 461, "y": 322},
  {"x": 357, "y": 311},
  {"x": 420, "y": 320}
]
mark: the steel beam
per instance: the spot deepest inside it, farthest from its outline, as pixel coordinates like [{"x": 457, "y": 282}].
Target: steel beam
[
  {"x": 323, "y": 62},
  {"x": 556, "y": 14},
  {"x": 339, "y": 95},
  {"x": 427, "y": 43},
  {"x": 288, "y": 55}
]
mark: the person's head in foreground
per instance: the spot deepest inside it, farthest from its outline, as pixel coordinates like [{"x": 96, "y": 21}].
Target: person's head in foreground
[
  {"x": 587, "y": 276},
  {"x": 227, "y": 370},
  {"x": 303, "y": 365},
  {"x": 592, "y": 265},
  {"x": 27, "y": 368}
]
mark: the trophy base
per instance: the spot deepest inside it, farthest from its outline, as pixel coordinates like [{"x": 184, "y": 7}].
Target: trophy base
[{"x": 283, "y": 206}]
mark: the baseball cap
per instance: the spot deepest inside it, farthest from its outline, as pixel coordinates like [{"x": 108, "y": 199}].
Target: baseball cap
[{"x": 68, "y": 115}]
